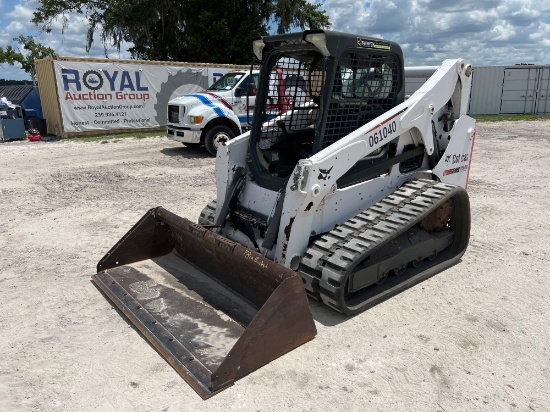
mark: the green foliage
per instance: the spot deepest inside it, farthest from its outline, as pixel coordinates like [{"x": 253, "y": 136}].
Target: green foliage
[
  {"x": 207, "y": 34},
  {"x": 10, "y": 55},
  {"x": 299, "y": 13},
  {"x": 32, "y": 50},
  {"x": 184, "y": 30}
]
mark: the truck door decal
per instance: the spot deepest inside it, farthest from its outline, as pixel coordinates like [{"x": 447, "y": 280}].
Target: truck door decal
[
  {"x": 204, "y": 100},
  {"x": 220, "y": 99}
]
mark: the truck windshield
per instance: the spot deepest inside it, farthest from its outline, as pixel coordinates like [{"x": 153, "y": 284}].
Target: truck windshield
[{"x": 227, "y": 82}]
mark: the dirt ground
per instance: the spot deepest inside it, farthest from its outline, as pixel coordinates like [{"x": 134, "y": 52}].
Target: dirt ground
[{"x": 475, "y": 337}]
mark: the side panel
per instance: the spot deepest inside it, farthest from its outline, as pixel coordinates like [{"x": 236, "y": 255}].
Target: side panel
[
  {"x": 48, "y": 96},
  {"x": 486, "y": 90},
  {"x": 454, "y": 166},
  {"x": 229, "y": 158},
  {"x": 543, "y": 95},
  {"x": 518, "y": 90}
]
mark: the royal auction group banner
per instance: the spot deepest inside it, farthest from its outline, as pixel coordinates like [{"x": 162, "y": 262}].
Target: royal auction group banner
[{"x": 107, "y": 96}]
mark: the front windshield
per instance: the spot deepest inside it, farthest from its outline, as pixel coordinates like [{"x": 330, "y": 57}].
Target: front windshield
[
  {"x": 288, "y": 107},
  {"x": 227, "y": 82}
]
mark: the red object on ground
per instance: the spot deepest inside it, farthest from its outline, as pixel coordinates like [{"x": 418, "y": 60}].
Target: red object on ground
[{"x": 34, "y": 136}]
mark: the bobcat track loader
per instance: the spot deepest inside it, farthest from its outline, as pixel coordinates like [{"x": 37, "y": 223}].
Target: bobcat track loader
[{"x": 349, "y": 194}]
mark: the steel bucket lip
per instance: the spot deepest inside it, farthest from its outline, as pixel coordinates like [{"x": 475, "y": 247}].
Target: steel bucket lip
[
  {"x": 282, "y": 323},
  {"x": 193, "y": 371}
]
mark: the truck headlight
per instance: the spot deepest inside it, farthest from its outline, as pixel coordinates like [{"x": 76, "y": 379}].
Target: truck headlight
[{"x": 197, "y": 119}]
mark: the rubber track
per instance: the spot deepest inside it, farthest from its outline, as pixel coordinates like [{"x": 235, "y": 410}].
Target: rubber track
[{"x": 328, "y": 260}]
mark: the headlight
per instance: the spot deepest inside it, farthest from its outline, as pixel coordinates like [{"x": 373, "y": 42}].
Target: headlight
[{"x": 197, "y": 119}]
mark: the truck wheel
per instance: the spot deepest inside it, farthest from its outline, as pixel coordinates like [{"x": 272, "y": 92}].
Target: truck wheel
[{"x": 216, "y": 136}]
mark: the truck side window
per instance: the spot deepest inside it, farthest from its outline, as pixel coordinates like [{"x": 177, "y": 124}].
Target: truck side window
[{"x": 250, "y": 85}]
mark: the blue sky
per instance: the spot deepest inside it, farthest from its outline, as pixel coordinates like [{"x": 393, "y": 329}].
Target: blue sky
[{"x": 486, "y": 32}]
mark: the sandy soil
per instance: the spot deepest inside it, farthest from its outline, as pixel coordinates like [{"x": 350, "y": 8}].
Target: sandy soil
[{"x": 475, "y": 337}]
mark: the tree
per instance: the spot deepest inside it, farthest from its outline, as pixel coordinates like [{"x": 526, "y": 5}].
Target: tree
[
  {"x": 299, "y": 13},
  {"x": 208, "y": 33},
  {"x": 183, "y": 30},
  {"x": 33, "y": 50},
  {"x": 10, "y": 55}
]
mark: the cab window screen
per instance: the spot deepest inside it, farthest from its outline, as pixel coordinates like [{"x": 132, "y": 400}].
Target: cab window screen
[
  {"x": 290, "y": 110},
  {"x": 364, "y": 87}
]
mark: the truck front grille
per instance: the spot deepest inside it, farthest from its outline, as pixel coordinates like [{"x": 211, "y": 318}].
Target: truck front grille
[{"x": 173, "y": 114}]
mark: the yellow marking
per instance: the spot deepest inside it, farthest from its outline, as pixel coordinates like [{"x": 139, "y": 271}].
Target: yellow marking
[{"x": 255, "y": 259}]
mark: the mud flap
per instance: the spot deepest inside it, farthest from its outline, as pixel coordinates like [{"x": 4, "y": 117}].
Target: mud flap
[{"x": 213, "y": 308}]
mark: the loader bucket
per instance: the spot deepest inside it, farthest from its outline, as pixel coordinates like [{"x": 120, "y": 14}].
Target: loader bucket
[{"x": 213, "y": 308}]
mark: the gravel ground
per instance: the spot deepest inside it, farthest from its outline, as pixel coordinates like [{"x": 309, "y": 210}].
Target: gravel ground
[{"x": 475, "y": 337}]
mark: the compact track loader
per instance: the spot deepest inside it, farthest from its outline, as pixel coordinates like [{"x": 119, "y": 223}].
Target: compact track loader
[{"x": 342, "y": 189}]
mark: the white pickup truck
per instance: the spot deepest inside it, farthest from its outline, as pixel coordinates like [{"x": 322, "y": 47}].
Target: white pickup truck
[{"x": 225, "y": 109}]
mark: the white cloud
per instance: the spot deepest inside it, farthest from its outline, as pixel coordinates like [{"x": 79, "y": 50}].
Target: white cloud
[
  {"x": 15, "y": 27},
  {"x": 71, "y": 40},
  {"x": 525, "y": 14},
  {"x": 542, "y": 33},
  {"x": 503, "y": 32},
  {"x": 487, "y": 32},
  {"x": 15, "y": 20},
  {"x": 20, "y": 12}
]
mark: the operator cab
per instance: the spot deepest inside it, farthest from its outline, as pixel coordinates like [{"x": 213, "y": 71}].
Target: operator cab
[{"x": 328, "y": 84}]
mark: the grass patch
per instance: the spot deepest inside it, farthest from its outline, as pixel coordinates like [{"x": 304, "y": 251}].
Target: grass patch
[
  {"x": 510, "y": 117},
  {"x": 116, "y": 137}
]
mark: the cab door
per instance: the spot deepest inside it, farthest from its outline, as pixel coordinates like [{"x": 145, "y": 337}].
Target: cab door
[{"x": 247, "y": 90}]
